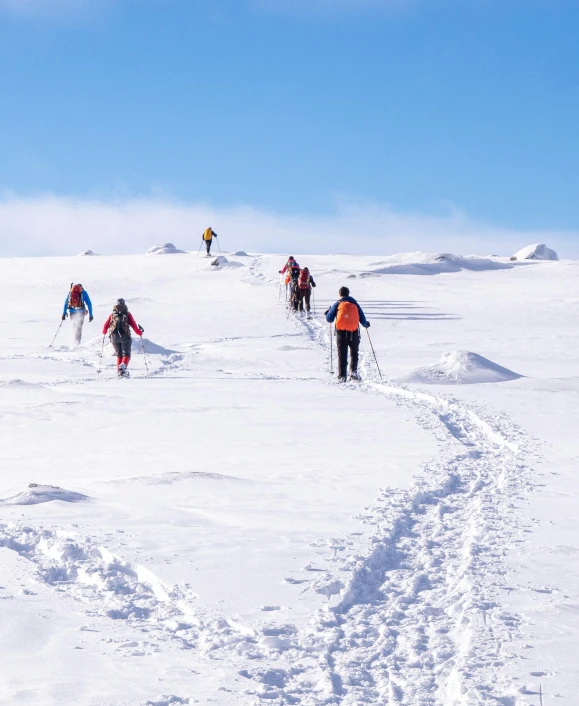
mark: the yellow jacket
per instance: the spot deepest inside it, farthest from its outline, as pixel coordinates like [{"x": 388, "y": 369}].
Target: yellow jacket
[{"x": 208, "y": 234}]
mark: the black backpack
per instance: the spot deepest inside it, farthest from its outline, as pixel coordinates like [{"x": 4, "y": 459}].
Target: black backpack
[{"x": 119, "y": 322}]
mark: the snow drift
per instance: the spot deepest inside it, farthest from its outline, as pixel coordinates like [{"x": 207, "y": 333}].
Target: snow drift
[
  {"x": 164, "y": 249},
  {"x": 539, "y": 251},
  {"x": 459, "y": 368},
  {"x": 87, "y": 253},
  {"x": 421, "y": 263},
  {"x": 36, "y": 494},
  {"x": 221, "y": 262}
]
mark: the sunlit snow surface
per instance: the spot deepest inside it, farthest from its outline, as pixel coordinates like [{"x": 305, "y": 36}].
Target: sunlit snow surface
[{"x": 238, "y": 528}]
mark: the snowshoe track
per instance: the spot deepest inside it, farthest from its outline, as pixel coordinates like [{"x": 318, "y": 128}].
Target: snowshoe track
[{"x": 417, "y": 619}]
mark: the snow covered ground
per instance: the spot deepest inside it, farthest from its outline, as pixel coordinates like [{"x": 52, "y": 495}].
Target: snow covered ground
[{"x": 238, "y": 528}]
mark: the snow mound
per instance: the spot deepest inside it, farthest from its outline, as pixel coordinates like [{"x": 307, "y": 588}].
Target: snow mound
[
  {"x": 164, "y": 249},
  {"x": 36, "y": 494},
  {"x": 88, "y": 253},
  {"x": 422, "y": 263},
  {"x": 96, "y": 344},
  {"x": 221, "y": 262},
  {"x": 150, "y": 347},
  {"x": 539, "y": 251},
  {"x": 459, "y": 368},
  {"x": 240, "y": 253}
]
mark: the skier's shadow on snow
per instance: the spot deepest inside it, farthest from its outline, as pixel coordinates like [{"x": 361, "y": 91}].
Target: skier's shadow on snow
[{"x": 399, "y": 310}]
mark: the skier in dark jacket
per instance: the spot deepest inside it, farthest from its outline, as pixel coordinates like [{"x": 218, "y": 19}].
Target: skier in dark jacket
[
  {"x": 75, "y": 305},
  {"x": 118, "y": 326},
  {"x": 348, "y": 315}
]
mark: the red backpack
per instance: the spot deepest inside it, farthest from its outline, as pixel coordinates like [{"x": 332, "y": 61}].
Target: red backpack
[
  {"x": 304, "y": 280},
  {"x": 75, "y": 300}
]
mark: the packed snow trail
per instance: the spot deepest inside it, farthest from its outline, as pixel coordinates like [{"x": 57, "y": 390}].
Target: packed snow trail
[{"x": 417, "y": 621}]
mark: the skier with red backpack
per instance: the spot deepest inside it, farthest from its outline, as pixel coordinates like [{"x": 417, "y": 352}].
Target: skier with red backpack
[
  {"x": 118, "y": 326},
  {"x": 75, "y": 305},
  {"x": 305, "y": 284},
  {"x": 348, "y": 315}
]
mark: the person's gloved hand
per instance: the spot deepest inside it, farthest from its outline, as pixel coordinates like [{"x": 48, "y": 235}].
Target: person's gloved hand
[
  {"x": 141, "y": 329},
  {"x": 63, "y": 317},
  {"x": 90, "y": 318},
  {"x": 367, "y": 324},
  {"x": 280, "y": 272},
  {"x": 313, "y": 284},
  {"x": 327, "y": 311}
]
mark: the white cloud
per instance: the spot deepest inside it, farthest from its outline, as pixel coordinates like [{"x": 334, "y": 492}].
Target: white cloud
[{"x": 52, "y": 225}]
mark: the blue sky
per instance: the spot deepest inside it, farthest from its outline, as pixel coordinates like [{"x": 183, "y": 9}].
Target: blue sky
[{"x": 421, "y": 107}]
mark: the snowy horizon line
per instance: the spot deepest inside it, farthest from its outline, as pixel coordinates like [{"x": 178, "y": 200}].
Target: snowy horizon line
[{"x": 50, "y": 225}]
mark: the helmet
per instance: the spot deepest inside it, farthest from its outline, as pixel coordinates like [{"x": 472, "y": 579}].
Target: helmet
[{"x": 121, "y": 301}]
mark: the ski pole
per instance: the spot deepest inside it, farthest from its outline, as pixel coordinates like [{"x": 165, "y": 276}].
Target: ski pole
[
  {"x": 331, "y": 351},
  {"x": 56, "y": 334},
  {"x": 279, "y": 290},
  {"x": 314, "y": 298},
  {"x": 219, "y": 246},
  {"x": 101, "y": 358},
  {"x": 198, "y": 251},
  {"x": 144, "y": 355},
  {"x": 376, "y": 359}
]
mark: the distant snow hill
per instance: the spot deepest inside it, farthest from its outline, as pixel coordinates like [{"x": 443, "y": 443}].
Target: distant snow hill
[
  {"x": 421, "y": 263},
  {"x": 88, "y": 253},
  {"x": 164, "y": 249},
  {"x": 539, "y": 251},
  {"x": 459, "y": 368}
]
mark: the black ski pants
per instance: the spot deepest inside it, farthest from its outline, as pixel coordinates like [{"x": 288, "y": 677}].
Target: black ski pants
[
  {"x": 208, "y": 245},
  {"x": 294, "y": 295},
  {"x": 345, "y": 340},
  {"x": 305, "y": 295},
  {"x": 122, "y": 343}
]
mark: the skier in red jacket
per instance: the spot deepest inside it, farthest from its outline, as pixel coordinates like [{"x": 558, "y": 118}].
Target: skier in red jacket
[{"x": 118, "y": 326}]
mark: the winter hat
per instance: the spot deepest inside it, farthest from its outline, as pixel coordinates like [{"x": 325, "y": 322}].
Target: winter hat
[{"x": 344, "y": 292}]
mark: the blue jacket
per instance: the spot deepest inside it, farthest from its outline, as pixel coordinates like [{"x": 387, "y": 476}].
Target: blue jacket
[
  {"x": 86, "y": 300},
  {"x": 333, "y": 312}
]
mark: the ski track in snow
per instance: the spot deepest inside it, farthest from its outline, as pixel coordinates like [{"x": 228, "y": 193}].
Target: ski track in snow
[
  {"x": 417, "y": 619},
  {"x": 413, "y": 612}
]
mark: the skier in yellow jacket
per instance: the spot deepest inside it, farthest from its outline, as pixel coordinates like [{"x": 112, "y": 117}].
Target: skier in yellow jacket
[{"x": 208, "y": 236}]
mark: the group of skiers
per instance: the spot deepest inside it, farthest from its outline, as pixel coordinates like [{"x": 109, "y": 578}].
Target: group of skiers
[
  {"x": 346, "y": 312},
  {"x": 299, "y": 283},
  {"x": 118, "y": 325}
]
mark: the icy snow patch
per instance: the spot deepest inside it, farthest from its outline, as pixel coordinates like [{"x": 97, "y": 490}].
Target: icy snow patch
[
  {"x": 421, "y": 263},
  {"x": 36, "y": 494},
  {"x": 240, "y": 253},
  {"x": 459, "y": 368},
  {"x": 164, "y": 249},
  {"x": 88, "y": 253},
  {"x": 539, "y": 251}
]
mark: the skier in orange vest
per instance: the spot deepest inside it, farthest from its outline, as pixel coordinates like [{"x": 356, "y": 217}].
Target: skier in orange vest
[{"x": 348, "y": 315}]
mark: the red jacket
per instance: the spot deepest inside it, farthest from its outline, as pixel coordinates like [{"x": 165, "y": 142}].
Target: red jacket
[
  {"x": 288, "y": 265},
  {"x": 132, "y": 324}
]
